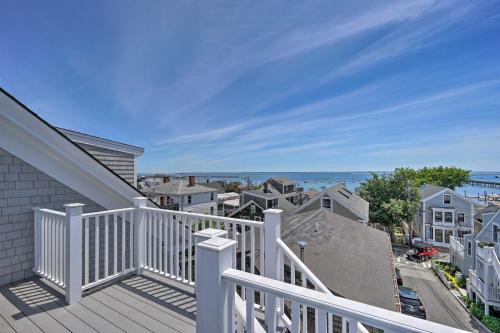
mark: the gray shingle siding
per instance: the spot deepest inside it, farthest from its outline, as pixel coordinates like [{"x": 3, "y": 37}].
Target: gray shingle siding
[
  {"x": 23, "y": 187},
  {"x": 121, "y": 163}
]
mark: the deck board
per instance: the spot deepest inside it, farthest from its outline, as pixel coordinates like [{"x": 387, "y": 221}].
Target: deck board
[{"x": 135, "y": 304}]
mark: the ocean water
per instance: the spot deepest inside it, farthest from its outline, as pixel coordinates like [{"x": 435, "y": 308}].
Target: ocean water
[{"x": 321, "y": 180}]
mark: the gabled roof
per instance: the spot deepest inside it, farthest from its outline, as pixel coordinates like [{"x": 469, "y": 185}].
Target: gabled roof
[
  {"x": 352, "y": 259},
  {"x": 347, "y": 198},
  {"x": 260, "y": 193},
  {"x": 429, "y": 191},
  {"x": 283, "y": 180},
  {"x": 29, "y": 137},
  {"x": 180, "y": 187},
  {"x": 101, "y": 142},
  {"x": 245, "y": 206}
]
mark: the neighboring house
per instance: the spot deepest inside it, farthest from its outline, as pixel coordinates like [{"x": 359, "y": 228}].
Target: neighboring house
[
  {"x": 484, "y": 276},
  {"x": 352, "y": 259},
  {"x": 263, "y": 197},
  {"x": 309, "y": 194},
  {"x": 184, "y": 195},
  {"x": 287, "y": 188},
  {"x": 119, "y": 157},
  {"x": 340, "y": 200},
  {"x": 42, "y": 167},
  {"x": 227, "y": 203},
  {"x": 249, "y": 211},
  {"x": 443, "y": 213}
]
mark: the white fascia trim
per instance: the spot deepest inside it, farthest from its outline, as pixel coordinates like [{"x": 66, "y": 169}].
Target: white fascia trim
[
  {"x": 26, "y": 137},
  {"x": 101, "y": 143}
]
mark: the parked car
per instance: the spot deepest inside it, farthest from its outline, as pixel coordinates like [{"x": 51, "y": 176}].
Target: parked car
[
  {"x": 398, "y": 277},
  {"x": 422, "y": 253},
  {"x": 410, "y": 303}
]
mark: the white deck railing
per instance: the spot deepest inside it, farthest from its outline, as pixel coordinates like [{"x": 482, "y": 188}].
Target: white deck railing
[
  {"x": 50, "y": 238},
  {"x": 182, "y": 246},
  {"x": 110, "y": 236},
  {"x": 457, "y": 246}
]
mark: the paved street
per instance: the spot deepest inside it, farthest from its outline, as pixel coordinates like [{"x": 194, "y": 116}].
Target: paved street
[{"x": 440, "y": 305}]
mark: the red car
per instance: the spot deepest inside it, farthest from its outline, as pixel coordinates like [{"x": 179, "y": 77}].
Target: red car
[{"x": 422, "y": 253}]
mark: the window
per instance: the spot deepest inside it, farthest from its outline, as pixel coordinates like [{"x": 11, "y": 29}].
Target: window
[
  {"x": 189, "y": 199},
  {"x": 447, "y": 199},
  {"x": 252, "y": 209},
  {"x": 495, "y": 233},
  {"x": 327, "y": 203},
  {"x": 212, "y": 196},
  {"x": 461, "y": 217},
  {"x": 447, "y": 235},
  {"x": 257, "y": 218},
  {"x": 438, "y": 216},
  {"x": 448, "y": 217},
  {"x": 211, "y": 210},
  {"x": 469, "y": 248},
  {"x": 438, "y": 235}
]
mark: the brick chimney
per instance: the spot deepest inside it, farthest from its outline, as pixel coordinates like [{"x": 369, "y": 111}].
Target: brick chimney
[
  {"x": 166, "y": 179},
  {"x": 192, "y": 181}
]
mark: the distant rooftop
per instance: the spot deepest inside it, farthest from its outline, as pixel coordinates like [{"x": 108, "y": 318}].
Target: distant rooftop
[
  {"x": 283, "y": 180},
  {"x": 101, "y": 142},
  {"x": 180, "y": 187},
  {"x": 261, "y": 193}
]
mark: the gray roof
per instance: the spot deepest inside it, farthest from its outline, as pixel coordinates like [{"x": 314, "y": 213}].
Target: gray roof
[
  {"x": 180, "y": 187},
  {"x": 428, "y": 190},
  {"x": 283, "y": 180},
  {"x": 261, "y": 193},
  {"x": 347, "y": 198},
  {"x": 350, "y": 258}
]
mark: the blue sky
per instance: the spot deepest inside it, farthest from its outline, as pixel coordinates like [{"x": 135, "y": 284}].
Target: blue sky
[{"x": 267, "y": 86}]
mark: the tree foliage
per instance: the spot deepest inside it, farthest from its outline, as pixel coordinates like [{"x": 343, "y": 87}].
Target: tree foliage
[
  {"x": 450, "y": 177},
  {"x": 395, "y": 198}
]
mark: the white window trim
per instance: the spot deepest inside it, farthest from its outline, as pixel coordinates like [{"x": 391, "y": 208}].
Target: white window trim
[
  {"x": 328, "y": 198},
  {"x": 443, "y": 210},
  {"x": 451, "y": 200}
]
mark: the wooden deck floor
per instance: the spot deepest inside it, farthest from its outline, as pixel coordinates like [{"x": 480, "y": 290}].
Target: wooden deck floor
[{"x": 135, "y": 304}]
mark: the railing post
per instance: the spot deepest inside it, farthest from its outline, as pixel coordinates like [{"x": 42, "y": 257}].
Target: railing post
[
  {"x": 203, "y": 235},
  {"x": 272, "y": 232},
  {"x": 214, "y": 297},
  {"x": 36, "y": 231},
  {"x": 73, "y": 264},
  {"x": 139, "y": 234}
]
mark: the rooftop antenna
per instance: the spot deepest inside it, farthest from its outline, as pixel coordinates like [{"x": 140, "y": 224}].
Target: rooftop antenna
[{"x": 302, "y": 245}]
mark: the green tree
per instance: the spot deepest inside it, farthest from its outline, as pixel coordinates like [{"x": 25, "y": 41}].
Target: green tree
[
  {"x": 450, "y": 177},
  {"x": 394, "y": 198}
]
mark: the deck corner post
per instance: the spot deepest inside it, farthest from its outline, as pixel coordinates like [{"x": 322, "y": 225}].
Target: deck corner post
[
  {"x": 214, "y": 296},
  {"x": 272, "y": 232},
  {"x": 139, "y": 233},
  {"x": 73, "y": 257}
]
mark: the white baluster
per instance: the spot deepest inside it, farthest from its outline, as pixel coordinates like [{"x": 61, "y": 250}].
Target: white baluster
[
  {"x": 106, "y": 245},
  {"x": 115, "y": 243},
  {"x": 295, "y": 317},
  {"x": 250, "y": 300},
  {"x": 96, "y": 248},
  {"x": 160, "y": 243},
  {"x": 87, "y": 227},
  {"x": 123, "y": 241}
]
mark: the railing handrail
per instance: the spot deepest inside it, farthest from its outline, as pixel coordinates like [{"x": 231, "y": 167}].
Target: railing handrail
[
  {"x": 364, "y": 313},
  {"x": 302, "y": 267},
  {"x": 108, "y": 212},
  {"x": 49, "y": 211},
  {"x": 205, "y": 216}
]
